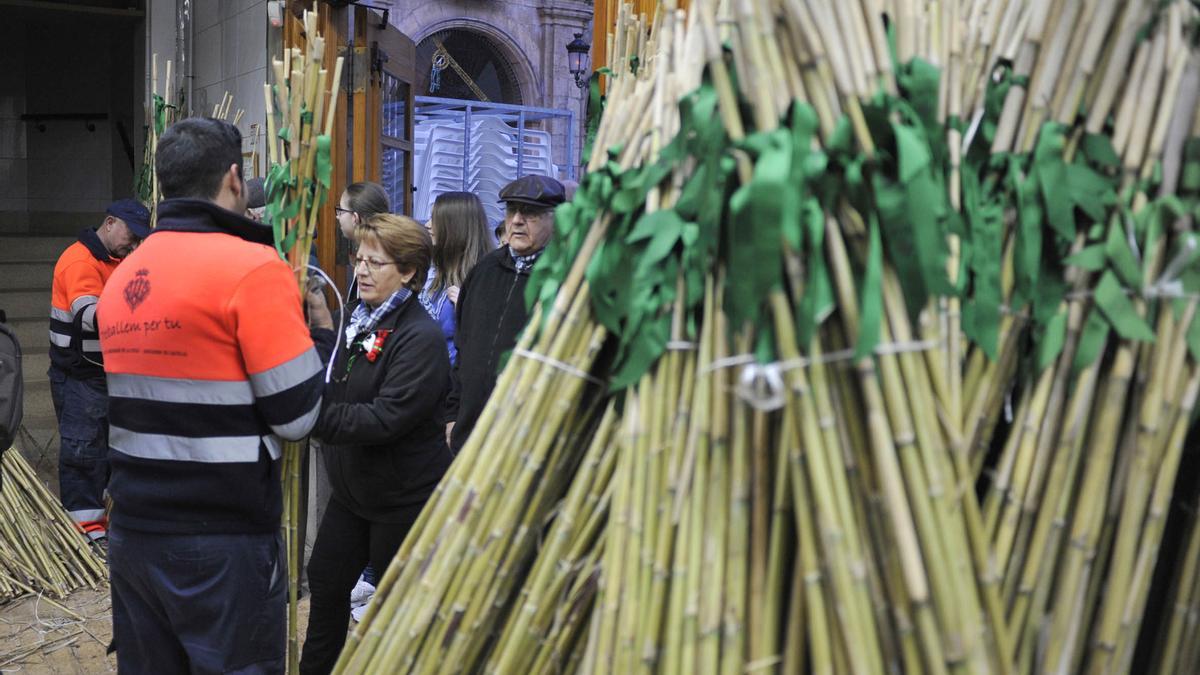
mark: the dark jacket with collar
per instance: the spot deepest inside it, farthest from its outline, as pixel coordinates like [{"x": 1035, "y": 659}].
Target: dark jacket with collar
[
  {"x": 490, "y": 315},
  {"x": 381, "y": 421}
]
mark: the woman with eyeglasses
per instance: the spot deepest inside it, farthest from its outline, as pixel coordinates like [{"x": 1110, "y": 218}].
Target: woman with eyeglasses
[
  {"x": 381, "y": 425},
  {"x": 358, "y": 204}
]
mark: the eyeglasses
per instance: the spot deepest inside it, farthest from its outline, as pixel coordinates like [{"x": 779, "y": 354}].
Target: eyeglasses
[
  {"x": 372, "y": 264},
  {"x": 527, "y": 210},
  {"x": 337, "y": 211}
]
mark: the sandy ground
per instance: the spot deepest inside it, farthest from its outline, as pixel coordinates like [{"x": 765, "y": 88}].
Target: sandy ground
[
  {"x": 36, "y": 637},
  {"x": 40, "y": 639}
]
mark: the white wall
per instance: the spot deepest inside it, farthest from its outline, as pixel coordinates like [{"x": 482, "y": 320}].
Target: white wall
[{"x": 229, "y": 55}]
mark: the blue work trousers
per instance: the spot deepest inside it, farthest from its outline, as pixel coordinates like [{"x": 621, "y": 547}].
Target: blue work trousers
[
  {"x": 81, "y": 407},
  {"x": 212, "y": 603}
]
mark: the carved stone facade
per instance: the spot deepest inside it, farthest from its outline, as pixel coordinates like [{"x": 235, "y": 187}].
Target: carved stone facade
[{"x": 532, "y": 35}]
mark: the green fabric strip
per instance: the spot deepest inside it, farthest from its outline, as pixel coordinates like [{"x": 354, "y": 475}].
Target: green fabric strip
[
  {"x": 1052, "y": 340},
  {"x": 983, "y": 250},
  {"x": 1120, "y": 311},
  {"x": 324, "y": 163},
  {"x": 1091, "y": 340},
  {"x": 595, "y": 109},
  {"x": 870, "y": 299}
]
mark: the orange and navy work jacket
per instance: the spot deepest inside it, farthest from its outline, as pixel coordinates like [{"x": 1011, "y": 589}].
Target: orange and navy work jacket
[
  {"x": 209, "y": 362},
  {"x": 79, "y": 277}
]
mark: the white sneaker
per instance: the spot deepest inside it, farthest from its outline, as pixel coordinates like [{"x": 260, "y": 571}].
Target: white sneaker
[
  {"x": 358, "y": 613},
  {"x": 361, "y": 594}
]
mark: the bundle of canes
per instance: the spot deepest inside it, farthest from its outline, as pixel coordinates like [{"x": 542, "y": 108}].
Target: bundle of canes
[
  {"x": 161, "y": 112},
  {"x": 301, "y": 107},
  {"x": 837, "y": 284},
  {"x": 464, "y": 558},
  {"x": 1065, "y": 531},
  {"x": 221, "y": 110},
  {"x": 41, "y": 550}
]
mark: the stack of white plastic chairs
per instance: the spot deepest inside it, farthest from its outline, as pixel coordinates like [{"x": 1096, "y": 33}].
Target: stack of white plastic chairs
[{"x": 491, "y": 160}]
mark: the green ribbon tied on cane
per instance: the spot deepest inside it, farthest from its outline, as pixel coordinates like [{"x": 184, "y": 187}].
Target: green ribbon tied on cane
[
  {"x": 804, "y": 231},
  {"x": 324, "y": 163},
  {"x": 1119, "y": 309},
  {"x": 160, "y": 115},
  {"x": 1186, "y": 258},
  {"x": 900, "y": 192},
  {"x": 755, "y": 235},
  {"x": 280, "y": 211},
  {"x": 634, "y": 274},
  {"x": 983, "y": 248},
  {"x": 871, "y": 293},
  {"x": 1053, "y": 199},
  {"x": 595, "y": 108}
]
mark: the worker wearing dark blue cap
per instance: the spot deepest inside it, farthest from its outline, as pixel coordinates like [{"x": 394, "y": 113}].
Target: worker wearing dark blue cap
[
  {"x": 491, "y": 305},
  {"x": 77, "y": 384}
]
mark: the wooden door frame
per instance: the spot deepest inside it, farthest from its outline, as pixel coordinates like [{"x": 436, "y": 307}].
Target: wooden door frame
[
  {"x": 393, "y": 54},
  {"x": 359, "y": 35}
]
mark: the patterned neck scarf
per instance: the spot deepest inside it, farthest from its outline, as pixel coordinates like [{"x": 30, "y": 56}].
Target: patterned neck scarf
[
  {"x": 364, "y": 319},
  {"x": 524, "y": 262}
]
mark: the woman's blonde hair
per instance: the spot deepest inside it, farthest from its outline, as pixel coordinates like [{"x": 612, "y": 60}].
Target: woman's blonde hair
[{"x": 405, "y": 240}]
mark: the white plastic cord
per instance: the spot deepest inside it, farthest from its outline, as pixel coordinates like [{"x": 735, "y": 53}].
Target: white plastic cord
[
  {"x": 762, "y": 386},
  {"x": 341, "y": 321},
  {"x": 559, "y": 365}
]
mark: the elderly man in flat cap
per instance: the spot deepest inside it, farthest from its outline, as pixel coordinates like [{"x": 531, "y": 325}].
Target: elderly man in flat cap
[{"x": 491, "y": 304}]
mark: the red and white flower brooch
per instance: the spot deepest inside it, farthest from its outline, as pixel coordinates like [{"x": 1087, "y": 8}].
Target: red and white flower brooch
[{"x": 372, "y": 344}]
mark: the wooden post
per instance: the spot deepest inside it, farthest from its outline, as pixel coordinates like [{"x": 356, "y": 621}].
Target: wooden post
[
  {"x": 361, "y": 58},
  {"x": 334, "y": 28}
]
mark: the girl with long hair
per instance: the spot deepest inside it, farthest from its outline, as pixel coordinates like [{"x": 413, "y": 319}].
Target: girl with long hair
[{"x": 458, "y": 225}]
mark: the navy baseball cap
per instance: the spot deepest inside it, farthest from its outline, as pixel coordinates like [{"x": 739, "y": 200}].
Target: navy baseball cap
[
  {"x": 136, "y": 216},
  {"x": 535, "y": 190}
]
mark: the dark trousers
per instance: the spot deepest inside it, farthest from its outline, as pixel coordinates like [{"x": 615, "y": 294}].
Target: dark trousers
[
  {"x": 198, "y": 603},
  {"x": 345, "y": 543},
  {"x": 81, "y": 407}
]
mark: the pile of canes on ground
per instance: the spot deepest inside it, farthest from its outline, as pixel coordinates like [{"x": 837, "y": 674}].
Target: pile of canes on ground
[{"x": 42, "y": 552}]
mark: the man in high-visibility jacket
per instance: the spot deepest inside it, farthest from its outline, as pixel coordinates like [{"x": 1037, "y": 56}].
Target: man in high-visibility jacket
[
  {"x": 76, "y": 370},
  {"x": 209, "y": 364}
]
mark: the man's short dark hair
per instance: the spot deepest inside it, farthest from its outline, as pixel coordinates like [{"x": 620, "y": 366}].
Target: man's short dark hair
[{"x": 193, "y": 156}]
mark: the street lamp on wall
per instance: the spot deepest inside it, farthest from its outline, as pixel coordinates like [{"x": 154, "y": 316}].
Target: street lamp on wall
[{"x": 578, "y": 52}]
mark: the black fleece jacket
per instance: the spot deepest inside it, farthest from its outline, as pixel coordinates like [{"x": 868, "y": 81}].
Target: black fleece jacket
[
  {"x": 490, "y": 315},
  {"x": 381, "y": 420}
]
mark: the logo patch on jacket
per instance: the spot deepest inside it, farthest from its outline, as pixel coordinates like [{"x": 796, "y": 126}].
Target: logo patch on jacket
[{"x": 137, "y": 289}]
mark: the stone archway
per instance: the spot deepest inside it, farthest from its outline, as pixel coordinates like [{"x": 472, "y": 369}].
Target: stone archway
[
  {"x": 519, "y": 70},
  {"x": 480, "y": 69}
]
